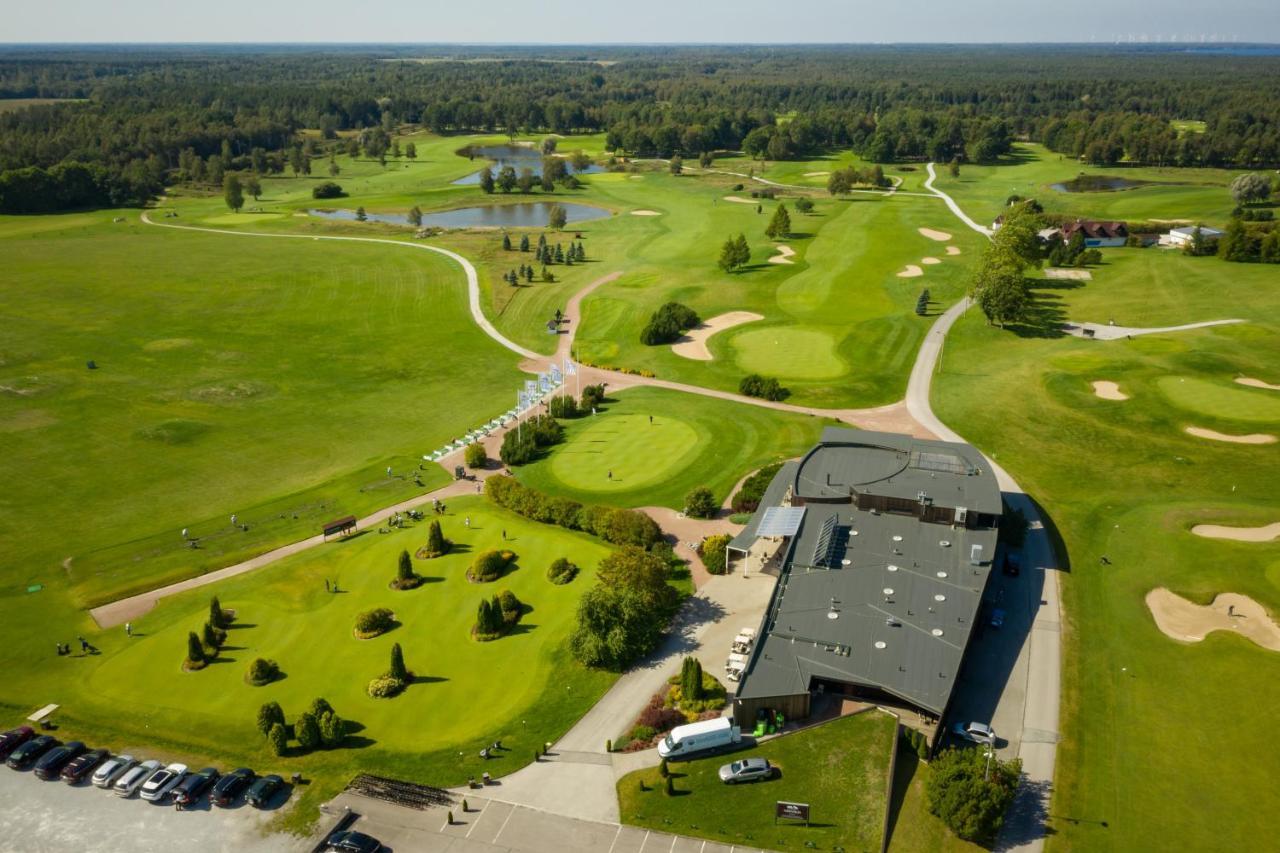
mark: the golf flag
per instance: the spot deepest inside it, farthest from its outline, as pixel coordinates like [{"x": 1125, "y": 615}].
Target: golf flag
[
  {"x": 555, "y": 375},
  {"x": 544, "y": 383},
  {"x": 569, "y": 369},
  {"x": 530, "y": 387}
]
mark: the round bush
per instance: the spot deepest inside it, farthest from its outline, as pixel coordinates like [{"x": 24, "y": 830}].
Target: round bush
[
  {"x": 711, "y": 550},
  {"x": 328, "y": 189},
  {"x": 373, "y": 622},
  {"x": 384, "y": 687},
  {"x": 489, "y": 566},
  {"x": 562, "y": 571},
  {"x": 262, "y": 671},
  {"x": 474, "y": 456}
]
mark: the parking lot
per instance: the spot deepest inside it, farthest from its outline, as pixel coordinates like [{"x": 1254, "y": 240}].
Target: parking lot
[{"x": 53, "y": 817}]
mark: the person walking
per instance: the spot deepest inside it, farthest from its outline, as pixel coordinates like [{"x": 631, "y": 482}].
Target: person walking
[
  {"x": 650, "y": 420},
  {"x": 610, "y": 475},
  {"x": 128, "y": 629},
  {"x": 84, "y": 644},
  {"x": 233, "y": 519},
  {"x": 184, "y": 533},
  {"x": 467, "y": 521},
  {"x": 326, "y": 584}
]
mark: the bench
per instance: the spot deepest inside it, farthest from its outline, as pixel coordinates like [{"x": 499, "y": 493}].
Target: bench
[{"x": 44, "y": 712}]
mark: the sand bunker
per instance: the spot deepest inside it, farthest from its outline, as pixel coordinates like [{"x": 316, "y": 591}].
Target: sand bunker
[
  {"x": 911, "y": 271},
  {"x": 694, "y": 343},
  {"x": 1191, "y": 623},
  {"x": 1257, "y": 383},
  {"x": 1265, "y": 533},
  {"x": 740, "y": 200},
  {"x": 783, "y": 256},
  {"x": 816, "y": 174},
  {"x": 953, "y": 250},
  {"x": 645, "y": 213},
  {"x": 1069, "y": 275},
  {"x": 930, "y": 261},
  {"x": 1109, "y": 390},
  {"x": 1251, "y": 438},
  {"x": 940, "y": 236}
]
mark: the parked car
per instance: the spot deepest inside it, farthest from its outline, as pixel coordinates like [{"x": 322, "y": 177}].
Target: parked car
[
  {"x": 78, "y": 768},
  {"x": 746, "y": 770},
  {"x": 226, "y": 789},
  {"x": 51, "y": 763},
  {"x": 112, "y": 769},
  {"x": 352, "y": 842},
  {"x": 261, "y": 792},
  {"x": 14, "y": 738},
  {"x": 997, "y": 618},
  {"x": 26, "y": 754},
  {"x": 1012, "y": 563},
  {"x": 192, "y": 788},
  {"x": 160, "y": 783},
  {"x": 131, "y": 780},
  {"x": 976, "y": 732}
]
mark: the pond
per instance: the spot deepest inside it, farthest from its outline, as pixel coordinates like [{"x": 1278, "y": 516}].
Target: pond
[
  {"x": 1096, "y": 184},
  {"x": 517, "y": 157},
  {"x": 532, "y": 214}
]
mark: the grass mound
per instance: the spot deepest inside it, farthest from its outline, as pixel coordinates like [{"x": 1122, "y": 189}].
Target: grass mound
[{"x": 175, "y": 432}]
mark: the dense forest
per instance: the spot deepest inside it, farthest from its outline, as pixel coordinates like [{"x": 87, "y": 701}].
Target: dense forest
[{"x": 136, "y": 118}]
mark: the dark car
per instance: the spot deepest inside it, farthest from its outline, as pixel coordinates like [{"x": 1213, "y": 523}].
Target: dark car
[
  {"x": 260, "y": 793},
  {"x": 352, "y": 842},
  {"x": 80, "y": 767},
  {"x": 192, "y": 788},
  {"x": 1012, "y": 563},
  {"x": 26, "y": 755},
  {"x": 226, "y": 789},
  {"x": 51, "y": 763},
  {"x": 14, "y": 738}
]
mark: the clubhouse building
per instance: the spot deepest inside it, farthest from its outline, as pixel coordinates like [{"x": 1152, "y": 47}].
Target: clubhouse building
[{"x": 882, "y": 544}]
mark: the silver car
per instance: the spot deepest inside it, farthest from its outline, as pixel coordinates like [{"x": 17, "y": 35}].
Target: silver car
[
  {"x": 975, "y": 732},
  {"x": 746, "y": 770},
  {"x": 111, "y": 770},
  {"x": 132, "y": 779}
]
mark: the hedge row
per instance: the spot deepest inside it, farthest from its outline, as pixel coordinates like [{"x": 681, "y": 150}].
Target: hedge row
[{"x": 616, "y": 526}]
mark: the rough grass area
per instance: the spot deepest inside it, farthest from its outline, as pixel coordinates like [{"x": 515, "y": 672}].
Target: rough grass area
[{"x": 840, "y": 768}]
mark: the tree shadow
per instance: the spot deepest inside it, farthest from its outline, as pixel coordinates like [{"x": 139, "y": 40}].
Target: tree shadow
[
  {"x": 425, "y": 679},
  {"x": 1044, "y": 318},
  {"x": 234, "y": 626}
]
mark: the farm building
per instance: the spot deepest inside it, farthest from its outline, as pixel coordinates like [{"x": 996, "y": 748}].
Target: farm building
[
  {"x": 1097, "y": 235},
  {"x": 889, "y": 540},
  {"x": 1179, "y": 237}
]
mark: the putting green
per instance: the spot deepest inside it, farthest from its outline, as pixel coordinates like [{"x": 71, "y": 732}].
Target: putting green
[
  {"x": 1219, "y": 400},
  {"x": 241, "y": 218},
  {"x": 789, "y": 353},
  {"x": 636, "y": 452}
]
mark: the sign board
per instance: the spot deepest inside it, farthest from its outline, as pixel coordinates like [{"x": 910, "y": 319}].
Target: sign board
[{"x": 791, "y": 811}]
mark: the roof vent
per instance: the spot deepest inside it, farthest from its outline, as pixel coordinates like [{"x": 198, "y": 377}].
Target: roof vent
[
  {"x": 942, "y": 574},
  {"x": 939, "y": 597},
  {"x": 833, "y": 614},
  {"x": 897, "y": 538},
  {"x": 888, "y": 590},
  {"x": 881, "y": 644},
  {"x": 945, "y": 543},
  {"x": 937, "y": 632},
  {"x": 891, "y": 568}
]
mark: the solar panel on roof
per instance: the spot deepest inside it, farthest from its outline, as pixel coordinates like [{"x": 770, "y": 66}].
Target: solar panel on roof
[
  {"x": 824, "y": 548},
  {"x": 949, "y": 463},
  {"x": 780, "y": 521}
]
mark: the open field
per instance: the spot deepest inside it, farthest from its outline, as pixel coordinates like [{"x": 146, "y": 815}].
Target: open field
[
  {"x": 522, "y": 689},
  {"x": 840, "y": 768},
  {"x": 1145, "y": 719},
  {"x": 693, "y": 441}
]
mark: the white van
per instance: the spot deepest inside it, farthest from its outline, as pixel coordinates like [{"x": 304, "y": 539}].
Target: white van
[{"x": 684, "y": 741}]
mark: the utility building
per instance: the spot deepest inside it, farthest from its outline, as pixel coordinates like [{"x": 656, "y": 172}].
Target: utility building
[{"x": 889, "y": 542}]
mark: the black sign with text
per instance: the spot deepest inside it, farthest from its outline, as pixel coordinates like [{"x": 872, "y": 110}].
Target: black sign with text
[{"x": 791, "y": 811}]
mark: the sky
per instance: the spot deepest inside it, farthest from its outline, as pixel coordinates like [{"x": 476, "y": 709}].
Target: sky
[{"x": 699, "y": 21}]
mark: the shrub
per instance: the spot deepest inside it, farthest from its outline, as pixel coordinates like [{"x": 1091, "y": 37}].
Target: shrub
[
  {"x": 563, "y": 406},
  {"x": 269, "y": 715},
  {"x": 306, "y": 731},
  {"x": 278, "y": 739},
  {"x": 489, "y": 566},
  {"x": 804, "y": 205},
  {"x": 489, "y": 624},
  {"x": 592, "y": 396},
  {"x": 691, "y": 679},
  {"x": 327, "y": 189},
  {"x": 405, "y": 576},
  {"x": 660, "y": 719},
  {"x": 700, "y": 503},
  {"x": 643, "y": 733},
  {"x": 474, "y": 456},
  {"x": 373, "y": 622},
  {"x": 213, "y": 638},
  {"x": 384, "y": 687},
  {"x": 973, "y": 807},
  {"x": 766, "y": 388},
  {"x": 320, "y": 707},
  {"x": 748, "y": 497},
  {"x": 263, "y": 671},
  {"x": 397, "y": 670},
  {"x": 437, "y": 545},
  {"x": 510, "y": 607},
  {"x": 561, "y": 571},
  {"x": 218, "y": 617},
  {"x": 333, "y": 729},
  {"x": 616, "y": 526},
  {"x": 195, "y": 652},
  {"x": 668, "y": 323},
  {"x": 712, "y": 552}
]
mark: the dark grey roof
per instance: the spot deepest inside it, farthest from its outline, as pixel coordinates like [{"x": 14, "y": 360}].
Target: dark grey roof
[
  {"x": 904, "y": 607},
  {"x": 773, "y": 495}
]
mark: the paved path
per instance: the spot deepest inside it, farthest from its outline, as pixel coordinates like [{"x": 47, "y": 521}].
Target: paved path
[
  {"x": 955, "y": 208},
  {"x": 1109, "y": 332}
]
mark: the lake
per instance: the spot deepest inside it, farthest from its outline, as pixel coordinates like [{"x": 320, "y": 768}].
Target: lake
[
  {"x": 517, "y": 157},
  {"x": 1096, "y": 184},
  {"x": 531, "y": 214}
]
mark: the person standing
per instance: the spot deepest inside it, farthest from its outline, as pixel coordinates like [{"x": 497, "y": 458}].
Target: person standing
[{"x": 128, "y": 629}]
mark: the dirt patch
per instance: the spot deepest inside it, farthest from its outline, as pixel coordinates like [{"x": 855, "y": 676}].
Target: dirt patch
[
  {"x": 229, "y": 392},
  {"x": 1265, "y": 533},
  {"x": 1257, "y": 383},
  {"x": 953, "y": 250},
  {"x": 783, "y": 256},
  {"x": 645, "y": 213},
  {"x": 911, "y": 271},
  {"x": 1109, "y": 390},
  {"x": 930, "y": 261},
  {"x": 940, "y": 236},
  {"x": 694, "y": 343},
  {"x": 1068, "y": 275},
  {"x": 737, "y": 199},
  {"x": 1183, "y": 620},
  {"x": 816, "y": 174},
  {"x": 1214, "y": 435}
]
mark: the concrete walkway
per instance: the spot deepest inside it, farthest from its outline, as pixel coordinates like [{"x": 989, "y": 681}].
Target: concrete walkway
[
  {"x": 951, "y": 203},
  {"x": 1109, "y": 332}
]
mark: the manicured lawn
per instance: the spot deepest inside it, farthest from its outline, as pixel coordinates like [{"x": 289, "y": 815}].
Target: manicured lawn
[
  {"x": 912, "y": 828},
  {"x": 1221, "y": 399},
  {"x": 693, "y": 441},
  {"x": 1149, "y": 724},
  {"x": 840, "y": 768},
  {"x": 522, "y": 689}
]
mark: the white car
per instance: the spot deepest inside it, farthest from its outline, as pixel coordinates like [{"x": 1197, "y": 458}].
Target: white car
[
  {"x": 110, "y": 771},
  {"x": 132, "y": 779},
  {"x": 976, "y": 732},
  {"x": 155, "y": 789}
]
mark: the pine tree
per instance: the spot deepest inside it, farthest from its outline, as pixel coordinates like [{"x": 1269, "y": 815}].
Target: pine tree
[
  {"x": 528, "y": 274},
  {"x": 780, "y": 224},
  {"x": 411, "y": 151},
  {"x": 486, "y": 180},
  {"x": 361, "y": 216},
  {"x": 217, "y": 616},
  {"x": 209, "y": 635},
  {"x": 398, "y": 671},
  {"x": 484, "y": 618},
  {"x": 415, "y": 216},
  {"x": 307, "y": 731},
  {"x": 404, "y": 569},
  {"x": 435, "y": 539},
  {"x": 195, "y": 651},
  {"x": 524, "y": 242},
  {"x": 506, "y": 242},
  {"x": 728, "y": 255},
  {"x": 270, "y": 714},
  {"x": 333, "y": 729},
  {"x": 232, "y": 193},
  {"x": 278, "y": 739}
]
